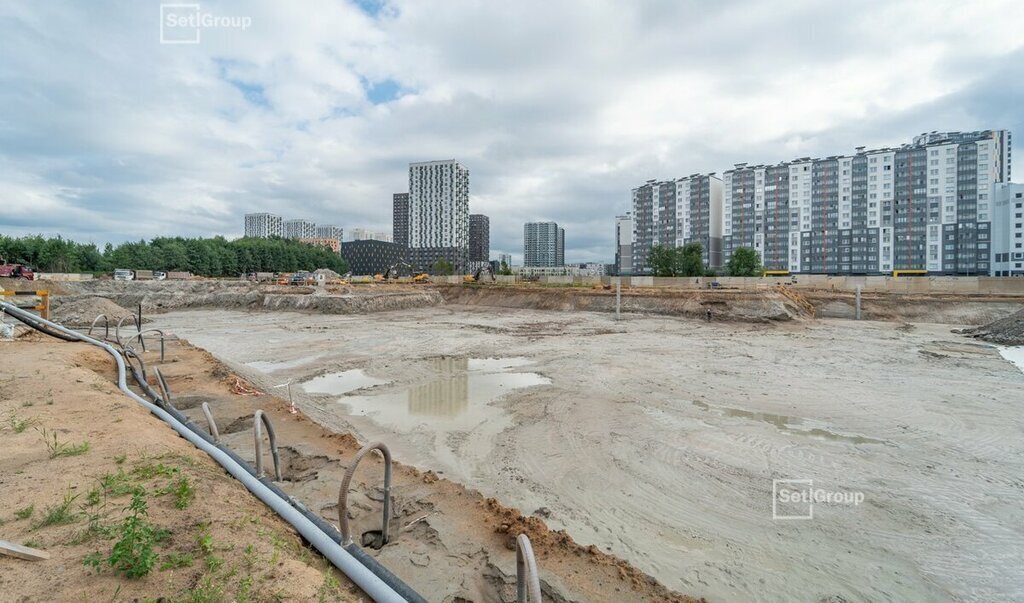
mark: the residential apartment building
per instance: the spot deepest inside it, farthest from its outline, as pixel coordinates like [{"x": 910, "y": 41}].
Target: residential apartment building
[
  {"x": 263, "y": 225},
  {"x": 673, "y": 213},
  {"x": 439, "y": 214},
  {"x": 363, "y": 234},
  {"x": 479, "y": 238},
  {"x": 543, "y": 244},
  {"x": 624, "y": 244},
  {"x": 400, "y": 219},
  {"x": 298, "y": 229},
  {"x": 1008, "y": 230},
  {"x": 369, "y": 256},
  {"x": 329, "y": 231},
  {"x": 927, "y": 205},
  {"x": 506, "y": 258},
  {"x": 329, "y": 243}
]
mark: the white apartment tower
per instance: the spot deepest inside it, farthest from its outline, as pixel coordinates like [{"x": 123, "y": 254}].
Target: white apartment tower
[
  {"x": 329, "y": 231},
  {"x": 262, "y": 225},
  {"x": 439, "y": 214},
  {"x": 298, "y": 229}
]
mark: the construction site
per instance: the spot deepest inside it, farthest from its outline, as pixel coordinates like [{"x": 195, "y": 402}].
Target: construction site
[{"x": 624, "y": 437}]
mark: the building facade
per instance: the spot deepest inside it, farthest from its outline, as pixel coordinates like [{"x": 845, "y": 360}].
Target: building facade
[
  {"x": 623, "y": 244},
  {"x": 439, "y": 214},
  {"x": 329, "y": 231},
  {"x": 363, "y": 234},
  {"x": 329, "y": 243},
  {"x": 673, "y": 213},
  {"x": 479, "y": 238},
  {"x": 506, "y": 258},
  {"x": 400, "y": 219},
  {"x": 298, "y": 229},
  {"x": 367, "y": 256},
  {"x": 543, "y": 244},
  {"x": 927, "y": 205},
  {"x": 263, "y": 226},
  {"x": 1008, "y": 230}
]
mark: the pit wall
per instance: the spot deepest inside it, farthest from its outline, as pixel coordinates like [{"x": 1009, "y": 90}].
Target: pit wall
[{"x": 980, "y": 285}]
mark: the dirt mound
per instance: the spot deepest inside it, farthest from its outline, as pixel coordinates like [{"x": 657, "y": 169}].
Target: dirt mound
[
  {"x": 1005, "y": 331},
  {"x": 82, "y": 311}
]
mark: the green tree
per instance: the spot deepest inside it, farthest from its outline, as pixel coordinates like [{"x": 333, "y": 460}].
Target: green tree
[
  {"x": 661, "y": 260},
  {"x": 442, "y": 268},
  {"x": 689, "y": 260},
  {"x": 744, "y": 262},
  {"x": 504, "y": 269}
]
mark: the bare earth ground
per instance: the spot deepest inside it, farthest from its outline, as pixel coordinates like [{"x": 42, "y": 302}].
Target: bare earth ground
[
  {"x": 73, "y": 506},
  {"x": 449, "y": 543},
  {"x": 657, "y": 439}
]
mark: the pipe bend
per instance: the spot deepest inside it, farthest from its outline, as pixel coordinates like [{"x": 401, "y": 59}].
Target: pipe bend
[
  {"x": 347, "y": 482},
  {"x": 527, "y": 579},
  {"x": 258, "y": 420}
]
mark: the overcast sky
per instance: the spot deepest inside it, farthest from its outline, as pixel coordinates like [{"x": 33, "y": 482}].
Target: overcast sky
[{"x": 557, "y": 108}]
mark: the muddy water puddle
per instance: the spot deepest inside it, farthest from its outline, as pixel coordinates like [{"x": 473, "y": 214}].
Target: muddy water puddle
[
  {"x": 342, "y": 382},
  {"x": 1014, "y": 354},
  {"x": 789, "y": 424},
  {"x": 455, "y": 395},
  {"x": 270, "y": 367}
]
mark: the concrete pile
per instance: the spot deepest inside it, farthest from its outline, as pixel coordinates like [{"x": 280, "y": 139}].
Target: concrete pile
[{"x": 1005, "y": 331}]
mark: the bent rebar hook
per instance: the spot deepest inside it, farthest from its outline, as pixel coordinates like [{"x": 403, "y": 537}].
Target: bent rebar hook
[
  {"x": 258, "y": 420},
  {"x": 346, "y": 483}
]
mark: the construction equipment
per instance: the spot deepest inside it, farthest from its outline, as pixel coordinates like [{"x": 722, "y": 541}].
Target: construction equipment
[
  {"x": 392, "y": 272},
  {"x": 422, "y": 277},
  {"x": 16, "y": 271},
  {"x": 795, "y": 297},
  {"x": 899, "y": 273},
  {"x": 475, "y": 277}
]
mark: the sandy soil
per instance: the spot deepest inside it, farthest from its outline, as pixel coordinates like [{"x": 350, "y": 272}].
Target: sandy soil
[
  {"x": 657, "y": 439},
  {"x": 240, "y": 551}
]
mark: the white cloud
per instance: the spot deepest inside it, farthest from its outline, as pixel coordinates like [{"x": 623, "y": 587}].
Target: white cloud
[{"x": 558, "y": 109}]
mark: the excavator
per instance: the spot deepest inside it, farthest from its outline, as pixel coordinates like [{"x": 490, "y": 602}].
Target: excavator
[
  {"x": 475, "y": 278},
  {"x": 392, "y": 272}
]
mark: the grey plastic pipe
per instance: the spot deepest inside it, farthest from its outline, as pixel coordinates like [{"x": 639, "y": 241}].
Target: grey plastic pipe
[
  {"x": 357, "y": 572},
  {"x": 106, "y": 326},
  {"x": 526, "y": 571},
  {"x": 214, "y": 432}
]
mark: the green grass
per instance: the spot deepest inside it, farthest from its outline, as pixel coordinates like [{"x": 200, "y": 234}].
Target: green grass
[
  {"x": 19, "y": 424},
  {"x": 59, "y": 514},
  {"x": 175, "y": 560},
  {"x": 183, "y": 492},
  {"x": 25, "y": 513},
  {"x": 57, "y": 448}
]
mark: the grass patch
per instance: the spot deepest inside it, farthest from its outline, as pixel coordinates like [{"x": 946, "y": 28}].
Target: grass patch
[
  {"x": 25, "y": 513},
  {"x": 175, "y": 560},
  {"x": 132, "y": 555},
  {"x": 59, "y": 514},
  {"x": 18, "y": 424},
  {"x": 183, "y": 492},
  {"x": 56, "y": 448}
]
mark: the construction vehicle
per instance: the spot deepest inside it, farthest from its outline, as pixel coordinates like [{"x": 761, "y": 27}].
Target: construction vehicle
[
  {"x": 143, "y": 275},
  {"x": 475, "y": 277},
  {"x": 16, "y": 271},
  {"x": 909, "y": 272},
  {"x": 302, "y": 279},
  {"x": 392, "y": 272},
  {"x": 123, "y": 274},
  {"x": 422, "y": 277}
]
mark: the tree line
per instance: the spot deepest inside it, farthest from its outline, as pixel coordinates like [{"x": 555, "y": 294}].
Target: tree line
[
  {"x": 215, "y": 257},
  {"x": 688, "y": 260}
]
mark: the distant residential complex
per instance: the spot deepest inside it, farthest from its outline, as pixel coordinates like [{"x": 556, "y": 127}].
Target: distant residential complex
[
  {"x": 929, "y": 205},
  {"x": 1008, "y": 230},
  {"x": 624, "y": 244},
  {"x": 362, "y": 234},
  {"x": 674, "y": 213},
  {"x": 400, "y": 219},
  {"x": 369, "y": 256},
  {"x": 543, "y": 244},
  {"x": 506, "y": 258},
  {"x": 439, "y": 214},
  {"x": 329, "y": 231},
  {"x": 298, "y": 229},
  {"x": 262, "y": 225},
  {"x": 479, "y": 238}
]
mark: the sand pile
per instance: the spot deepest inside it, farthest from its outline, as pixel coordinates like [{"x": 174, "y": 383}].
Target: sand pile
[
  {"x": 1005, "y": 331},
  {"x": 82, "y": 311}
]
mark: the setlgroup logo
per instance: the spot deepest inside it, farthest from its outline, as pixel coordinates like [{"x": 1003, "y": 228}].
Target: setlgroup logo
[
  {"x": 795, "y": 498},
  {"x": 184, "y": 23}
]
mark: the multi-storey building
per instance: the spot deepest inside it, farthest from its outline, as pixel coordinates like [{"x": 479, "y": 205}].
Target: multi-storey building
[
  {"x": 506, "y": 258},
  {"x": 674, "y": 213},
  {"x": 624, "y": 244},
  {"x": 369, "y": 256},
  {"x": 543, "y": 244},
  {"x": 400, "y": 219},
  {"x": 927, "y": 206},
  {"x": 329, "y": 231},
  {"x": 327, "y": 242},
  {"x": 479, "y": 238},
  {"x": 439, "y": 214},
  {"x": 298, "y": 229},
  {"x": 363, "y": 234},
  {"x": 1008, "y": 230},
  {"x": 262, "y": 225}
]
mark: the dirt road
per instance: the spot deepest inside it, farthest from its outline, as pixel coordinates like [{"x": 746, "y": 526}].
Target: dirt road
[{"x": 657, "y": 439}]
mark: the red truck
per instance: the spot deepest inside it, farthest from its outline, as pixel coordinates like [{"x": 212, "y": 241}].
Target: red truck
[{"x": 16, "y": 271}]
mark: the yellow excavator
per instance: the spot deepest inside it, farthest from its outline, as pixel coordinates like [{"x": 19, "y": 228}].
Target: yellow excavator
[{"x": 475, "y": 278}]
